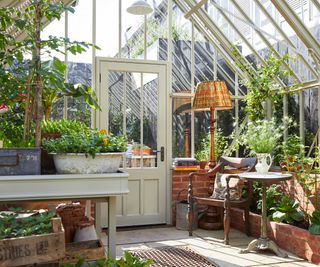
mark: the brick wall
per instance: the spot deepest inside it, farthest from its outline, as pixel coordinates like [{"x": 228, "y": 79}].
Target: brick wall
[
  {"x": 308, "y": 195},
  {"x": 180, "y": 181},
  {"x": 293, "y": 239}
]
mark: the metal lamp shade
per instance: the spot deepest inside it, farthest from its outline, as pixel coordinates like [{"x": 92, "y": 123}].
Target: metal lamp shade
[
  {"x": 139, "y": 8},
  {"x": 212, "y": 94}
]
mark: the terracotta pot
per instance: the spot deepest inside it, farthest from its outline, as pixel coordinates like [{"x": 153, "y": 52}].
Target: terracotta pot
[
  {"x": 203, "y": 164},
  {"x": 146, "y": 151},
  {"x": 137, "y": 151}
]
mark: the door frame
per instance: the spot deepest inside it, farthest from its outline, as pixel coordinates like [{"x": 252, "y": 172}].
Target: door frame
[{"x": 168, "y": 116}]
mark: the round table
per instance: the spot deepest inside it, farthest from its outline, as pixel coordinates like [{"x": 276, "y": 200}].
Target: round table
[{"x": 263, "y": 242}]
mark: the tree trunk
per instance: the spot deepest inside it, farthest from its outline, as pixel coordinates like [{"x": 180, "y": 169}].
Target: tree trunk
[
  {"x": 47, "y": 113},
  {"x": 38, "y": 82}
]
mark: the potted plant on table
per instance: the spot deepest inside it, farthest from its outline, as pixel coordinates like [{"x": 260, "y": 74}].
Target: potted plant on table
[
  {"x": 87, "y": 151},
  {"x": 261, "y": 137}
]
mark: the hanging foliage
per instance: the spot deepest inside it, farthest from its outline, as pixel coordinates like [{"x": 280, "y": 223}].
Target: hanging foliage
[{"x": 262, "y": 83}]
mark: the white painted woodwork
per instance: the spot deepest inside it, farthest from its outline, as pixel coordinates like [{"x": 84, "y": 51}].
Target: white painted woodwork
[
  {"x": 101, "y": 187},
  {"x": 147, "y": 201}
]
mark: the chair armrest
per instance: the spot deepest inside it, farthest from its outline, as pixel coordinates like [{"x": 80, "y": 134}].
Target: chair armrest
[{"x": 210, "y": 173}]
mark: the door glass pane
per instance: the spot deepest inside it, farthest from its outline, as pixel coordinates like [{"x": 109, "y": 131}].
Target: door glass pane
[
  {"x": 150, "y": 121},
  {"x": 115, "y": 104},
  {"x": 116, "y": 91},
  {"x": 133, "y": 115}
]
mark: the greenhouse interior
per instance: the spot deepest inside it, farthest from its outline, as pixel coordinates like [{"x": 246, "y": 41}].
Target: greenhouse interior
[{"x": 160, "y": 133}]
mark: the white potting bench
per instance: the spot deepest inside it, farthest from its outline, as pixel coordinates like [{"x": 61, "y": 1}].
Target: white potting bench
[{"x": 100, "y": 187}]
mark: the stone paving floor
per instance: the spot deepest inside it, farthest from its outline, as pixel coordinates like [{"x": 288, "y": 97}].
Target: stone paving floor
[{"x": 206, "y": 243}]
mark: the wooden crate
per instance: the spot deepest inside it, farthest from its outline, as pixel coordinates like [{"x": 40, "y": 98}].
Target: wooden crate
[
  {"x": 33, "y": 249},
  {"x": 88, "y": 250}
]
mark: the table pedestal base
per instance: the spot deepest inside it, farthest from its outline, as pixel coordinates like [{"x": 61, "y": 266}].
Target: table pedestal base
[{"x": 263, "y": 244}]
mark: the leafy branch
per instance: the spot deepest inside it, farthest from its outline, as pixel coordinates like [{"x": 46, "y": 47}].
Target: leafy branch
[{"x": 262, "y": 83}]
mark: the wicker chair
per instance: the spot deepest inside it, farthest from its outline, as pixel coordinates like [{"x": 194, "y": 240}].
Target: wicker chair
[{"x": 230, "y": 166}]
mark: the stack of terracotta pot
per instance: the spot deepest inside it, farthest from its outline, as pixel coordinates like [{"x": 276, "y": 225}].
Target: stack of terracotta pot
[{"x": 71, "y": 215}]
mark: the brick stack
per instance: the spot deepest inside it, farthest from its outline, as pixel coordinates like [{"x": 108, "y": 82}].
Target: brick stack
[{"x": 71, "y": 215}]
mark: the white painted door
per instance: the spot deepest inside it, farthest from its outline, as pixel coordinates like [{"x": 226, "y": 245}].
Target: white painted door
[{"x": 133, "y": 100}]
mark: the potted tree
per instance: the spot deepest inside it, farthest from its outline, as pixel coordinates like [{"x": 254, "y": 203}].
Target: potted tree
[{"x": 25, "y": 81}]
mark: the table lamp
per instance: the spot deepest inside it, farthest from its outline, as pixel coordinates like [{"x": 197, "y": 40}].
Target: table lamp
[{"x": 213, "y": 95}]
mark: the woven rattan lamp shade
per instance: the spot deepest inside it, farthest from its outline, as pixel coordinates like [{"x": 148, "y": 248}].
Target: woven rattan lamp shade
[{"x": 212, "y": 94}]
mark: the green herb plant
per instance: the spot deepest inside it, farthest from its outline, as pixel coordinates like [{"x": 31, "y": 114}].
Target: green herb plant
[
  {"x": 287, "y": 211},
  {"x": 129, "y": 260},
  {"x": 314, "y": 227},
  {"x": 220, "y": 146},
  {"x": 62, "y": 126},
  {"x": 88, "y": 141},
  {"x": 11, "y": 226},
  {"x": 291, "y": 151},
  {"x": 261, "y": 136},
  {"x": 273, "y": 196}
]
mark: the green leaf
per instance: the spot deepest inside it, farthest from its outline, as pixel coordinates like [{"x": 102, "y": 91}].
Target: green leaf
[
  {"x": 278, "y": 216},
  {"x": 297, "y": 216},
  {"x": 314, "y": 229}
]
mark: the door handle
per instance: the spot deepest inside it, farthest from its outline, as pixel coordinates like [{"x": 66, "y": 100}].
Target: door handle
[{"x": 161, "y": 151}]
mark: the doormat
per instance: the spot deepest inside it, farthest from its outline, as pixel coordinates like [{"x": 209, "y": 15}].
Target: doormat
[{"x": 174, "y": 257}]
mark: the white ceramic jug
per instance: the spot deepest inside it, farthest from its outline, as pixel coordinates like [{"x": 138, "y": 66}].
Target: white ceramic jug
[{"x": 262, "y": 165}]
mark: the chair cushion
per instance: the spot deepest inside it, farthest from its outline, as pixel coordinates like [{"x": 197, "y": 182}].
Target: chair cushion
[{"x": 220, "y": 184}]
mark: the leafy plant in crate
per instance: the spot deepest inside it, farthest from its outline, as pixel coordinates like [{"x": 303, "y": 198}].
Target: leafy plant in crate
[
  {"x": 27, "y": 238},
  {"x": 13, "y": 226}
]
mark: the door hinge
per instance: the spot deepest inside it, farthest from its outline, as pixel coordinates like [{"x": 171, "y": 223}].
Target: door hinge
[{"x": 99, "y": 77}]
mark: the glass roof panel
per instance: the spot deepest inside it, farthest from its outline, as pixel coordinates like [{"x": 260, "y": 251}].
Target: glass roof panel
[{"x": 256, "y": 27}]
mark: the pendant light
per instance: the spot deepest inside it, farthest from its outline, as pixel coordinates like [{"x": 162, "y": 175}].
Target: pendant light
[{"x": 139, "y": 8}]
